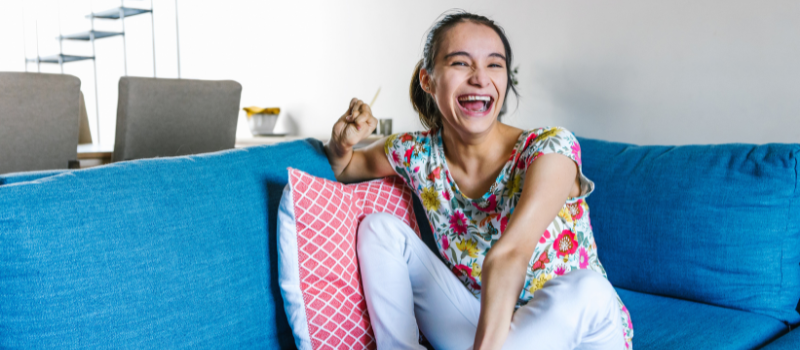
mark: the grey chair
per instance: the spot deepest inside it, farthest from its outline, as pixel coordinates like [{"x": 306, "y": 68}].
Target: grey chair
[
  {"x": 173, "y": 117},
  {"x": 84, "y": 132},
  {"x": 38, "y": 121}
]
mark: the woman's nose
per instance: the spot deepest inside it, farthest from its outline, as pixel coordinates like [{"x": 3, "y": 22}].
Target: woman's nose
[{"x": 479, "y": 78}]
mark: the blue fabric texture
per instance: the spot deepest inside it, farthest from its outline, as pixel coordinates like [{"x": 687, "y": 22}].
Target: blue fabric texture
[
  {"x": 673, "y": 324},
  {"x": 790, "y": 341},
  {"x": 10, "y": 178},
  {"x": 169, "y": 253},
  {"x": 714, "y": 224}
]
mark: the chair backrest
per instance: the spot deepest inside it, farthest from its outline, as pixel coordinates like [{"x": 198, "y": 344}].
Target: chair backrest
[
  {"x": 173, "y": 117},
  {"x": 84, "y": 133},
  {"x": 38, "y": 121}
]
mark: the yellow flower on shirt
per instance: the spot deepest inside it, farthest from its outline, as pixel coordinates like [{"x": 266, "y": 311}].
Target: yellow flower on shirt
[
  {"x": 548, "y": 133},
  {"x": 469, "y": 246},
  {"x": 539, "y": 282},
  {"x": 476, "y": 270},
  {"x": 565, "y": 214},
  {"x": 430, "y": 198},
  {"x": 516, "y": 184}
]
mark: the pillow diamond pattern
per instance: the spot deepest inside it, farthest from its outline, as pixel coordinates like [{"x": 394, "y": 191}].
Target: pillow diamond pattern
[{"x": 327, "y": 217}]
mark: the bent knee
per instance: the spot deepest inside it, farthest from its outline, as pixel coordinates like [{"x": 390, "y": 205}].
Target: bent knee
[
  {"x": 379, "y": 229},
  {"x": 592, "y": 286}
]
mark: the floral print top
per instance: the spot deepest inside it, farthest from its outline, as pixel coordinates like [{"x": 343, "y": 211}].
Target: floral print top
[{"x": 465, "y": 229}]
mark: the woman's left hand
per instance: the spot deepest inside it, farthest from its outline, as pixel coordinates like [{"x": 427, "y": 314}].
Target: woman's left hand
[{"x": 548, "y": 182}]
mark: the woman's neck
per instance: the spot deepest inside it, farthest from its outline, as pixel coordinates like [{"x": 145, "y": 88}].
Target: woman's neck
[{"x": 475, "y": 160}]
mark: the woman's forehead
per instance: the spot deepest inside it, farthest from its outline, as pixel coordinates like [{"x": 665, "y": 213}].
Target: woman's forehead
[{"x": 475, "y": 39}]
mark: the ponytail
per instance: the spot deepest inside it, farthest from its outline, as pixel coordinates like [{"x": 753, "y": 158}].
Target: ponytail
[{"x": 422, "y": 102}]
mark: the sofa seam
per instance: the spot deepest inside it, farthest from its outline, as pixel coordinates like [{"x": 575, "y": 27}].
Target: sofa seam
[{"x": 792, "y": 205}]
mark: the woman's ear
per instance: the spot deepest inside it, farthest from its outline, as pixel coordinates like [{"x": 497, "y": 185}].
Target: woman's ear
[{"x": 425, "y": 80}]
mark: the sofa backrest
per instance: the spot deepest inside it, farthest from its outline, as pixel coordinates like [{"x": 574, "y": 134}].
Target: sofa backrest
[
  {"x": 717, "y": 224},
  {"x": 151, "y": 254}
]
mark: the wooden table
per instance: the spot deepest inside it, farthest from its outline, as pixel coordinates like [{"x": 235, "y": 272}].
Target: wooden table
[{"x": 94, "y": 155}]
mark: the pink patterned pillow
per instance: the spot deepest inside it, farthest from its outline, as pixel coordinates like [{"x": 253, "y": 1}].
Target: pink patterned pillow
[{"x": 318, "y": 270}]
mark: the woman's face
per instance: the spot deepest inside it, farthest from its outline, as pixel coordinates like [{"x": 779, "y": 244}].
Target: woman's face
[{"x": 469, "y": 78}]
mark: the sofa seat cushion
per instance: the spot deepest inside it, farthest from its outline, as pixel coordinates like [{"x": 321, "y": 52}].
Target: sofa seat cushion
[
  {"x": 790, "y": 341},
  {"x": 167, "y": 253},
  {"x": 716, "y": 224},
  {"x": 674, "y": 324}
]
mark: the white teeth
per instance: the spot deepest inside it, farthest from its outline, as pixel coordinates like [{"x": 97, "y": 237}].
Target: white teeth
[{"x": 475, "y": 98}]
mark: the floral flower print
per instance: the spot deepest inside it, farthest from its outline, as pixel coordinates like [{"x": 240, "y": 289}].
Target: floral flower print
[
  {"x": 565, "y": 244},
  {"x": 406, "y": 138},
  {"x": 396, "y": 157},
  {"x": 539, "y": 282},
  {"x": 503, "y": 224},
  {"x": 576, "y": 152},
  {"x": 434, "y": 175},
  {"x": 540, "y": 263},
  {"x": 548, "y": 133},
  {"x": 545, "y": 237},
  {"x": 458, "y": 223},
  {"x": 468, "y": 247},
  {"x": 430, "y": 198},
  {"x": 576, "y": 209},
  {"x": 462, "y": 270},
  {"x": 476, "y": 271},
  {"x": 465, "y": 229},
  {"x": 564, "y": 214},
  {"x": 487, "y": 206},
  {"x": 516, "y": 185},
  {"x": 583, "y": 262}
]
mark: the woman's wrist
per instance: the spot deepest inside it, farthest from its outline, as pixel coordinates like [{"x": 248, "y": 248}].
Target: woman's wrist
[
  {"x": 336, "y": 150},
  {"x": 339, "y": 156}
]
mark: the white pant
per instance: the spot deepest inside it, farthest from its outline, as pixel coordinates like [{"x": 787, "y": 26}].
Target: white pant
[{"x": 402, "y": 279}]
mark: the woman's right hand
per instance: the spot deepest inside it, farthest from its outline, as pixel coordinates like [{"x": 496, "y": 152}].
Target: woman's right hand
[
  {"x": 355, "y": 125},
  {"x": 348, "y": 164}
]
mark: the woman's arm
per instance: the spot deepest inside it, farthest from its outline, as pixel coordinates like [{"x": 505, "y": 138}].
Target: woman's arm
[
  {"x": 351, "y": 165},
  {"x": 548, "y": 183}
]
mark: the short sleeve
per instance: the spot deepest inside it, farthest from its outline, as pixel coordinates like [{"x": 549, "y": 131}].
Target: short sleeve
[
  {"x": 400, "y": 151},
  {"x": 557, "y": 140}
]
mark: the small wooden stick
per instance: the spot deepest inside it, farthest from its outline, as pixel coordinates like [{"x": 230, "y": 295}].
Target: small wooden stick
[{"x": 375, "y": 98}]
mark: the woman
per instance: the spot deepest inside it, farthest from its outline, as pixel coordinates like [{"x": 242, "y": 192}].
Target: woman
[{"x": 530, "y": 280}]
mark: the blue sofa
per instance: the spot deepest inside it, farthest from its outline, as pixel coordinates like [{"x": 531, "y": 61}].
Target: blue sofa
[{"x": 702, "y": 242}]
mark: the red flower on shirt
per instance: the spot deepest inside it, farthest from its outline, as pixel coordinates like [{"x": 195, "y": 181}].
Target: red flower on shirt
[
  {"x": 488, "y": 205},
  {"x": 435, "y": 174},
  {"x": 408, "y": 154},
  {"x": 565, "y": 243},
  {"x": 458, "y": 223},
  {"x": 576, "y": 209},
  {"x": 544, "y": 237}
]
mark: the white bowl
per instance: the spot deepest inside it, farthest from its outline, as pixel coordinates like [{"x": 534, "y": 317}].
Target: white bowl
[{"x": 262, "y": 124}]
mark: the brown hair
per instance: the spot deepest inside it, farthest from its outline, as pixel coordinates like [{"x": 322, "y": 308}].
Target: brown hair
[{"x": 423, "y": 103}]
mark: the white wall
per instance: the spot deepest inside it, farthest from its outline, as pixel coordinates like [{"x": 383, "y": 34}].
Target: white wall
[{"x": 647, "y": 72}]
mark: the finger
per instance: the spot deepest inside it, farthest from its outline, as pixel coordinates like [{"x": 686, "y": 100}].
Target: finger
[
  {"x": 365, "y": 108},
  {"x": 363, "y": 121},
  {"x": 356, "y": 111},
  {"x": 350, "y": 106}
]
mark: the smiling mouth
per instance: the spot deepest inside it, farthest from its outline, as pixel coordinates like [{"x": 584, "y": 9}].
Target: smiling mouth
[{"x": 475, "y": 103}]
